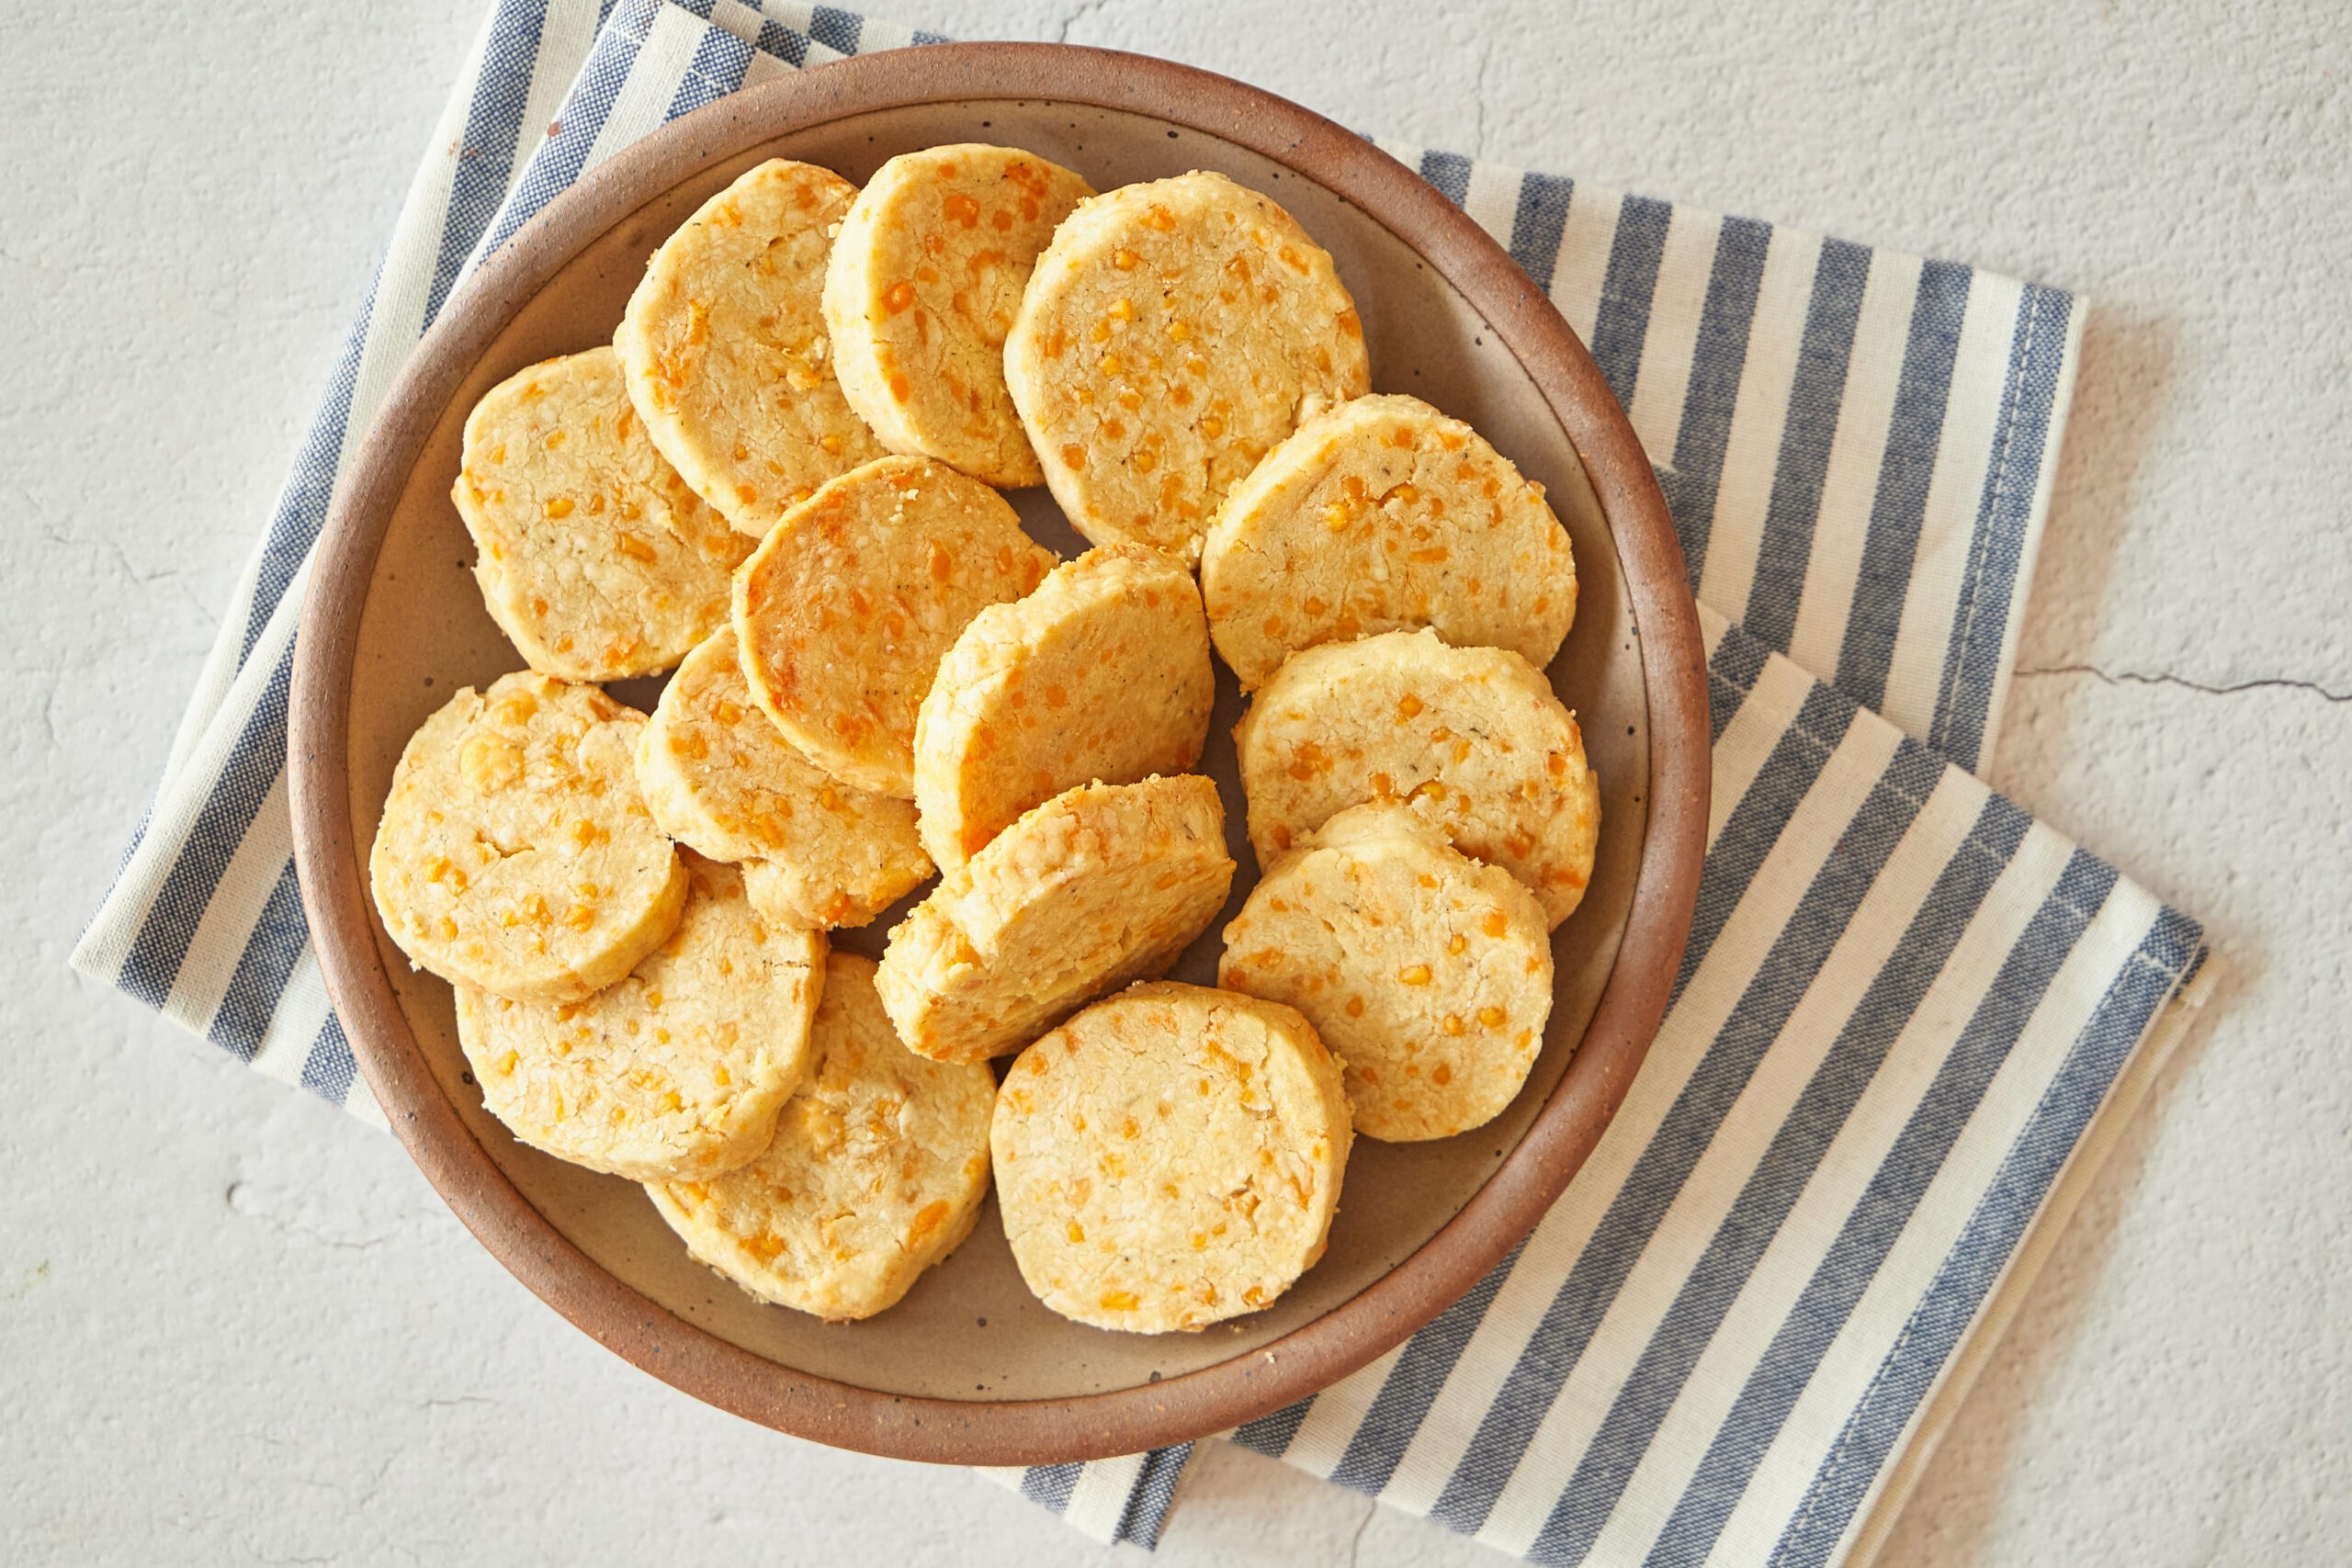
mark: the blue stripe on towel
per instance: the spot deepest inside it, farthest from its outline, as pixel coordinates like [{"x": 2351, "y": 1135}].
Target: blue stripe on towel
[
  {"x": 161, "y": 946},
  {"x": 1802, "y": 465},
  {"x": 1717, "y": 361},
  {"x": 1536, "y": 225},
  {"x": 719, "y": 67},
  {"x": 263, "y": 969},
  {"x": 1891, "y": 546},
  {"x": 1623, "y": 323},
  {"x": 1413, "y": 1384},
  {"x": 1450, "y": 172}
]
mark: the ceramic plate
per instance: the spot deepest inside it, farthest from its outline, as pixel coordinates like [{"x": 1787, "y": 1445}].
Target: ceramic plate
[{"x": 970, "y": 1367}]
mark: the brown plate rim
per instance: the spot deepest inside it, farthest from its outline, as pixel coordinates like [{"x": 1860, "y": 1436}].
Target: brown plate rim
[{"x": 1311, "y": 1357}]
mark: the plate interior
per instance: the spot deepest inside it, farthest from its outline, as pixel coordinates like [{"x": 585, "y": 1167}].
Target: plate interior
[{"x": 971, "y": 1330}]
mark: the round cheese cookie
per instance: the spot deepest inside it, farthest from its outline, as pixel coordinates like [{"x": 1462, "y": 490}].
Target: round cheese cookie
[
  {"x": 1170, "y": 1157},
  {"x": 1102, "y": 673},
  {"x": 843, "y": 611},
  {"x": 719, "y": 777},
  {"x": 1171, "y": 335},
  {"x": 1101, "y": 885},
  {"x": 925, "y": 276},
  {"x": 677, "y": 1070},
  {"x": 1428, "y": 974},
  {"x": 595, "y": 557},
  {"x": 515, "y": 852},
  {"x": 725, "y": 350},
  {"x": 875, "y": 1172},
  {"x": 1471, "y": 739},
  {"x": 1378, "y": 514}
]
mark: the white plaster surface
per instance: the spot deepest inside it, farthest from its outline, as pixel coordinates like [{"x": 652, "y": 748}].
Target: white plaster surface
[{"x": 236, "y": 1326}]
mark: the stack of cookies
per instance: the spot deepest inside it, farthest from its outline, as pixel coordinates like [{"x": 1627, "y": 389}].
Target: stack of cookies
[{"x": 782, "y": 481}]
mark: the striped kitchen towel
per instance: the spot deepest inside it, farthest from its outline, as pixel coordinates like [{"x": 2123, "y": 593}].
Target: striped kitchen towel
[{"x": 1910, "y": 1018}]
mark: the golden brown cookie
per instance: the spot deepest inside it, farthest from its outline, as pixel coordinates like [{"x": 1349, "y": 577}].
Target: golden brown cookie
[
  {"x": 1471, "y": 739},
  {"x": 1429, "y": 975},
  {"x": 842, "y": 613},
  {"x": 1102, "y": 673},
  {"x": 515, "y": 852},
  {"x": 720, "y": 778},
  {"x": 925, "y": 276},
  {"x": 875, "y": 1172},
  {"x": 595, "y": 557},
  {"x": 1171, "y": 335},
  {"x": 1101, "y": 885},
  {"x": 1380, "y": 514},
  {"x": 1170, "y": 1157},
  {"x": 725, "y": 350},
  {"x": 675, "y": 1071}
]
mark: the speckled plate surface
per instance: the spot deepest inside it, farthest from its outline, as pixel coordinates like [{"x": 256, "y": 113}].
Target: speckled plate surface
[{"x": 971, "y": 1368}]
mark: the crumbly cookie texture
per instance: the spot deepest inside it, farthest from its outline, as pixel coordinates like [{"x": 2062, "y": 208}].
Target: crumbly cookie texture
[
  {"x": 675, "y": 1071},
  {"x": 1429, "y": 975},
  {"x": 719, "y": 777},
  {"x": 1380, "y": 514},
  {"x": 725, "y": 351},
  {"x": 1472, "y": 740},
  {"x": 925, "y": 276},
  {"x": 843, "y": 612},
  {"x": 1170, "y": 1157},
  {"x": 1171, "y": 335},
  {"x": 595, "y": 556},
  {"x": 515, "y": 853},
  {"x": 1102, "y": 673},
  {"x": 875, "y": 1172},
  {"x": 1101, "y": 885}
]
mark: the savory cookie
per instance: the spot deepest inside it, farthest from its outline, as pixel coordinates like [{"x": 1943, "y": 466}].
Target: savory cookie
[
  {"x": 875, "y": 1173},
  {"x": 1428, "y": 973},
  {"x": 720, "y": 778},
  {"x": 1101, "y": 885},
  {"x": 843, "y": 611},
  {"x": 1172, "y": 333},
  {"x": 925, "y": 276},
  {"x": 1471, "y": 738},
  {"x": 1102, "y": 673},
  {"x": 725, "y": 351},
  {"x": 1378, "y": 514},
  {"x": 676, "y": 1072},
  {"x": 515, "y": 852},
  {"x": 1170, "y": 1157},
  {"x": 595, "y": 559}
]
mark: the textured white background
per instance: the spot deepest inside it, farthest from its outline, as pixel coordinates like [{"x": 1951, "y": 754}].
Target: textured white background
[{"x": 236, "y": 1326}]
